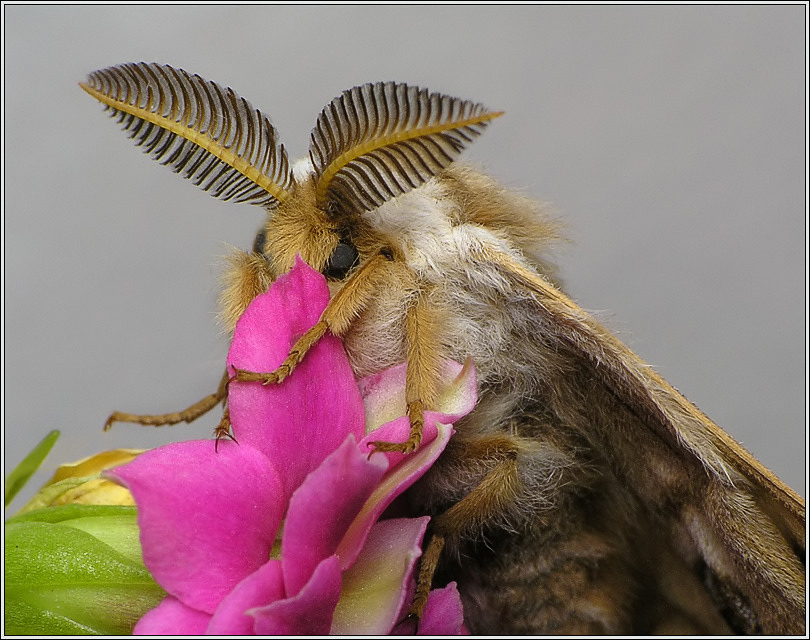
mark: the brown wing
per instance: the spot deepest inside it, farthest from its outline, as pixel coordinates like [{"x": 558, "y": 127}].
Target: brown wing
[{"x": 733, "y": 522}]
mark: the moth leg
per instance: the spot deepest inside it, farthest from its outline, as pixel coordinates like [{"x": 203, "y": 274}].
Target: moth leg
[
  {"x": 341, "y": 311},
  {"x": 188, "y": 414},
  {"x": 421, "y": 383},
  {"x": 490, "y": 497},
  {"x": 223, "y": 429},
  {"x": 427, "y": 567}
]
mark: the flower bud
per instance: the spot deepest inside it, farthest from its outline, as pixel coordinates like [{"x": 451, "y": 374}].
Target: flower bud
[
  {"x": 75, "y": 569},
  {"x": 80, "y": 482},
  {"x": 73, "y": 560}
]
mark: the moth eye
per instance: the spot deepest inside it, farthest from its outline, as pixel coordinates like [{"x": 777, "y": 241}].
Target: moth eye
[
  {"x": 343, "y": 258},
  {"x": 259, "y": 240}
]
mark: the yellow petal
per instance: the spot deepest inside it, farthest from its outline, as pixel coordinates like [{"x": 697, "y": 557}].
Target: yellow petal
[
  {"x": 94, "y": 464},
  {"x": 96, "y": 491},
  {"x": 80, "y": 483}
]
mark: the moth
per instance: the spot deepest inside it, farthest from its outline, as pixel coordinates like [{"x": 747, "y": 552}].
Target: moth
[{"x": 583, "y": 494}]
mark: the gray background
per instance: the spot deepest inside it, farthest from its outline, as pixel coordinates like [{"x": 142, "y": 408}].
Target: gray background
[{"x": 671, "y": 138}]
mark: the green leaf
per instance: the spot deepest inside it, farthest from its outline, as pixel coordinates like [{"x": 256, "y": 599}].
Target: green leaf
[
  {"x": 60, "y": 579},
  {"x": 63, "y": 512},
  {"x": 114, "y": 525},
  {"x": 17, "y": 479}
]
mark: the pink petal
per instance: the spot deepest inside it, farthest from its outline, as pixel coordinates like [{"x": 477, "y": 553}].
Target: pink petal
[
  {"x": 375, "y": 587},
  {"x": 276, "y": 319},
  {"x": 398, "y": 478},
  {"x": 460, "y": 393},
  {"x": 398, "y": 430},
  {"x": 172, "y": 618},
  {"x": 384, "y": 394},
  {"x": 322, "y": 509},
  {"x": 259, "y": 589},
  {"x": 299, "y": 422},
  {"x": 207, "y": 519},
  {"x": 443, "y": 616},
  {"x": 308, "y": 613}
]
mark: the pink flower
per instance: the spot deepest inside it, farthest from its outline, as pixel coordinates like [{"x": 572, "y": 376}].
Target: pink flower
[{"x": 211, "y": 521}]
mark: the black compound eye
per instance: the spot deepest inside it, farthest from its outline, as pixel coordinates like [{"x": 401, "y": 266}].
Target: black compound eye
[
  {"x": 342, "y": 260},
  {"x": 259, "y": 240}
]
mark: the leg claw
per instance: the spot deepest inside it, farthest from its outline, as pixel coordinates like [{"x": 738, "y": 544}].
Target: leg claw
[{"x": 409, "y": 446}]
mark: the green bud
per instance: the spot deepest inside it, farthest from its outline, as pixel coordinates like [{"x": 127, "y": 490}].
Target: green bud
[
  {"x": 82, "y": 482},
  {"x": 76, "y": 569},
  {"x": 72, "y": 555}
]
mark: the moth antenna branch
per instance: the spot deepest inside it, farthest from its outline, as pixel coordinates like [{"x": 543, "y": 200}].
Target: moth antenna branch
[{"x": 188, "y": 414}]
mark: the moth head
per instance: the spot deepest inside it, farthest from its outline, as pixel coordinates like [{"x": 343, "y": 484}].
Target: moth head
[{"x": 370, "y": 145}]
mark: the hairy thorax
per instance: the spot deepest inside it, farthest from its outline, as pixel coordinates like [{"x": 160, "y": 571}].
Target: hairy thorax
[{"x": 437, "y": 230}]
